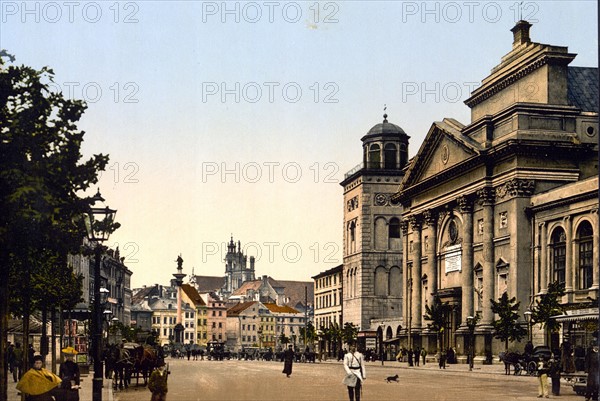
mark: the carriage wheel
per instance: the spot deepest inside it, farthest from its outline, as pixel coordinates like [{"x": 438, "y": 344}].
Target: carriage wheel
[
  {"x": 531, "y": 368},
  {"x": 518, "y": 369}
]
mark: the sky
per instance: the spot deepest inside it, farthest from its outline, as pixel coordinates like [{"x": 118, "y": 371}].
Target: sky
[{"x": 241, "y": 118}]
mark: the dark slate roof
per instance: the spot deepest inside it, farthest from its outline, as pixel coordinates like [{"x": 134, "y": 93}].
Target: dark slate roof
[
  {"x": 583, "y": 88},
  {"x": 209, "y": 283},
  {"x": 294, "y": 290}
]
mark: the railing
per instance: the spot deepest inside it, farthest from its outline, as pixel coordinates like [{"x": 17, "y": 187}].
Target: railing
[{"x": 372, "y": 166}]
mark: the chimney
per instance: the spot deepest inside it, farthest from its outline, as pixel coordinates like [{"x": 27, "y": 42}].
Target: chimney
[
  {"x": 521, "y": 33},
  {"x": 251, "y": 262}
]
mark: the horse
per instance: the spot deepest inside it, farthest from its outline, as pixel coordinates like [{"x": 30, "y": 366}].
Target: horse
[
  {"x": 120, "y": 363},
  {"x": 145, "y": 359},
  {"x": 511, "y": 358}
]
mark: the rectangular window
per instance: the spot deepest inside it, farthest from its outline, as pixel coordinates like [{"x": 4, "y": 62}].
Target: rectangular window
[
  {"x": 214, "y": 313},
  {"x": 220, "y": 325},
  {"x": 220, "y": 313}
]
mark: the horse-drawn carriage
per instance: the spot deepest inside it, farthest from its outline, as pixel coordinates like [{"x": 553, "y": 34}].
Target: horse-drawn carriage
[
  {"x": 524, "y": 363},
  {"x": 129, "y": 360}
]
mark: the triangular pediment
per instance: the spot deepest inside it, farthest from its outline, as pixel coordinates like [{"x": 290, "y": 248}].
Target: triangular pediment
[{"x": 444, "y": 147}]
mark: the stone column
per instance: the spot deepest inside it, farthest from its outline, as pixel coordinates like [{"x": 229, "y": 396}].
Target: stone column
[
  {"x": 415, "y": 224},
  {"x": 466, "y": 209},
  {"x": 431, "y": 219},
  {"x": 486, "y": 199},
  {"x": 543, "y": 258},
  {"x": 569, "y": 257},
  {"x": 596, "y": 254},
  {"x": 405, "y": 275}
]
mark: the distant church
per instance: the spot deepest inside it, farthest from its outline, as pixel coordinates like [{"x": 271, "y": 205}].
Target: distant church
[{"x": 236, "y": 270}]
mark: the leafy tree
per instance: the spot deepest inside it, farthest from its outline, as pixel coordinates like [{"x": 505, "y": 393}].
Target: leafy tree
[
  {"x": 283, "y": 339},
  {"x": 507, "y": 327},
  {"x": 349, "y": 332},
  {"x": 437, "y": 314},
  {"x": 310, "y": 333},
  {"x": 40, "y": 178},
  {"x": 548, "y": 305}
]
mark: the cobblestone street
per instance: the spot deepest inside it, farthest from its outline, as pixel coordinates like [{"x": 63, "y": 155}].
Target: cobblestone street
[{"x": 260, "y": 380}]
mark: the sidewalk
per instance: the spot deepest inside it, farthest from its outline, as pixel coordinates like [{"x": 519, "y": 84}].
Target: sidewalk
[{"x": 85, "y": 393}]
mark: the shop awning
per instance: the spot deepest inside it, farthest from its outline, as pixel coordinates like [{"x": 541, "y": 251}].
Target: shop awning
[
  {"x": 577, "y": 315},
  {"x": 391, "y": 340}
]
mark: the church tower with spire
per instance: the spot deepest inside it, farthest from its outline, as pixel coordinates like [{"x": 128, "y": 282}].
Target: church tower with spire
[{"x": 237, "y": 270}]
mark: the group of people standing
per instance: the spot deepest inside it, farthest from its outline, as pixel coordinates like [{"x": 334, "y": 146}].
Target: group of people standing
[
  {"x": 412, "y": 356},
  {"x": 40, "y": 384}
]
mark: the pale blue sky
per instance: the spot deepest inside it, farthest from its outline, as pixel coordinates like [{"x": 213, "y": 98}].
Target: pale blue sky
[{"x": 172, "y": 58}]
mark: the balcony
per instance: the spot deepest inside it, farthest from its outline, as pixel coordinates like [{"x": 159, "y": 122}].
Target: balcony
[{"x": 371, "y": 166}]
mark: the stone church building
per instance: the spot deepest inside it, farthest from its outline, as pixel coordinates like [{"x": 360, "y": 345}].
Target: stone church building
[{"x": 508, "y": 202}]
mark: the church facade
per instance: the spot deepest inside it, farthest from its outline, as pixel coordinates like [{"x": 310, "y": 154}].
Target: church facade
[{"x": 506, "y": 203}]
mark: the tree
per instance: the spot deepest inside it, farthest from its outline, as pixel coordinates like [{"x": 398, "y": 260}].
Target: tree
[
  {"x": 40, "y": 178},
  {"x": 507, "y": 327},
  {"x": 310, "y": 334},
  {"x": 548, "y": 305},
  {"x": 437, "y": 315},
  {"x": 349, "y": 332},
  {"x": 283, "y": 339}
]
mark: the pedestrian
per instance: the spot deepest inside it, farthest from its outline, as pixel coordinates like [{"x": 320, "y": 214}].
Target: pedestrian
[
  {"x": 17, "y": 361},
  {"x": 423, "y": 355},
  {"x": 410, "y": 357},
  {"x": 528, "y": 348},
  {"x": 38, "y": 383},
  {"x": 566, "y": 356},
  {"x": 157, "y": 383},
  {"x": 288, "y": 360},
  {"x": 417, "y": 356},
  {"x": 354, "y": 364},
  {"x": 442, "y": 360},
  {"x": 554, "y": 371},
  {"x": 69, "y": 374},
  {"x": 542, "y": 371},
  {"x": 591, "y": 367},
  {"x": 30, "y": 354}
]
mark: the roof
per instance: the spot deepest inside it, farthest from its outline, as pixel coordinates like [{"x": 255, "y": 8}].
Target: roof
[
  {"x": 143, "y": 293},
  {"x": 582, "y": 85},
  {"x": 280, "y": 308},
  {"x": 193, "y": 294},
  {"x": 248, "y": 285},
  {"x": 384, "y": 128},
  {"x": 333, "y": 270},
  {"x": 294, "y": 290},
  {"x": 209, "y": 283},
  {"x": 238, "y": 308}
]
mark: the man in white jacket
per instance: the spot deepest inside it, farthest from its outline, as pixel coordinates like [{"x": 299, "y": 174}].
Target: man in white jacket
[{"x": 354, "y": 364}]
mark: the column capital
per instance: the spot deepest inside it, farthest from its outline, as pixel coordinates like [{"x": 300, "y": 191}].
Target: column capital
[
  {"x": 430, "y": 217},
  {"x": 404, "y": 227},
  {"x": 486, "y": 196},
  {"x": 465, "y": 204},
  {"x": 415, "y": 222}
]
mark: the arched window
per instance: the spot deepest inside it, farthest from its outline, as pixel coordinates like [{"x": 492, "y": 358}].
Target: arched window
[
  {"x": 381, "y": 241},
  {"x": 381, "y": 281},
  {"x": 390, "y": 155},
  {"x": 395, "y": 282},
  {"x": 559, "y": 250},
  {"x": 403, "y": 155},
  {"x": 374, "y": 156},
  {"x": 586, "y": 252}
]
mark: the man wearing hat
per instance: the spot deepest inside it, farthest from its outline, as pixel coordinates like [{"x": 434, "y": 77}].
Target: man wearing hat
[
  {"x": 69, "y": 373},
  {"x": 39, "y": 384},
  {"x": 157, "y": 383}
]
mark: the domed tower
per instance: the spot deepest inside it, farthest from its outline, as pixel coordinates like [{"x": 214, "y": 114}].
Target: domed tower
[
  {"x": 385, "y": 146},
  {"x": 372, "y": 271}
]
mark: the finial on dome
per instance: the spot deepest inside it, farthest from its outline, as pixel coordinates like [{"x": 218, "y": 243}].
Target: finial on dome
[{"x": 384, "y": 113}]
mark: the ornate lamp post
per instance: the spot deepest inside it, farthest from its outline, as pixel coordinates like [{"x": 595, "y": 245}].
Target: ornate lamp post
[
  {"x": 528, "y": 314},
  {"x": 100, "y": 222},
  {"x": 471, "y": 325}
]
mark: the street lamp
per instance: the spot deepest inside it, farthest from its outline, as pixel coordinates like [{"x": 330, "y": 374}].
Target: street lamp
[
  {"x": 99, "y": 222},
  {"x": 528, "y": 314},
  {"x": 471, "y": 325}
]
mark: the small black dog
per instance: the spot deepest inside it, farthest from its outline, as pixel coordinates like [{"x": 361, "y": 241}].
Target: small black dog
[{"x": 392, "y": 379}]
